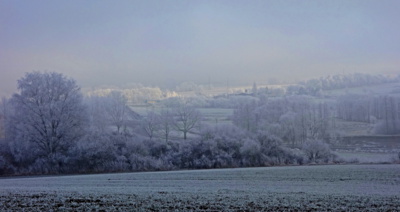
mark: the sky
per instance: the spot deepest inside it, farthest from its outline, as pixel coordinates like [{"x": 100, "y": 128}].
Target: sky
[{"x": 166, "y": 42}]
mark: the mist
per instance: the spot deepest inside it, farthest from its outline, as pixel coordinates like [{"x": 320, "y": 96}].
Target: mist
[
  {"x": 163, "y": 44},
  {"x": 150, "y": 105}
]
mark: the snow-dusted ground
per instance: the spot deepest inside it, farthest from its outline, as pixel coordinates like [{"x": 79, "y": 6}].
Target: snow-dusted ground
[{"x": 335, "y": 187}]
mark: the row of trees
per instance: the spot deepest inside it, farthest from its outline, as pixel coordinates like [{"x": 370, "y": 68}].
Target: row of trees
[
  {"x": 135, "y": 94},
  {"x": 294, "y": 119},
  {"x": 49, "y": 127},
  {"x": 315, "y": 86},
  {"x": 382, "y": 111}
]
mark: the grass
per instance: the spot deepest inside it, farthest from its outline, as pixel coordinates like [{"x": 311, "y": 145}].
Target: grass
[{"x": 311, "y": 188}]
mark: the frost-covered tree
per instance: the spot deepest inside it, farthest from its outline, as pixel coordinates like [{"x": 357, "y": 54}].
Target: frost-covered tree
[
  {"x": 187, "y": 118},
  {"x": 166, "y": 123},
  {"x": 317, "y": 151},
  {"x": 117, "y": 110},
  {"x": 111, "y": 112},
  {"x": 98, "y": 117},
  {"x": 48, "y": 115},
  {"x": 150, "y": 124},
  {"x": 354, "y": 108},
  {"x": 389, "y": 115},
  {"x": 289, "y": 129},
  {"x": 245, "y": 116}
]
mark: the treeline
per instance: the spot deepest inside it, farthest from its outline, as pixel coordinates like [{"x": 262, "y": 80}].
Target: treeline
[
  {"x": 298, "y": 118},
  {"x": 135, "y": 94},
  {"x": 313, "y": 87},
  {"x": 294, "y": 119},
  {"x": 220, "y": 147},
  {"x": 381, "y": 111},
  {"x": 49, "y": 127}
]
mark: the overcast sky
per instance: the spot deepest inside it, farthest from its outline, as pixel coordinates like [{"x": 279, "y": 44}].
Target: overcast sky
[{"x": 167, "y": 42}]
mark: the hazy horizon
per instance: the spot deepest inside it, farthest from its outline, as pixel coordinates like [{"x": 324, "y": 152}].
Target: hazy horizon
[{"x": 164, "y": 43}]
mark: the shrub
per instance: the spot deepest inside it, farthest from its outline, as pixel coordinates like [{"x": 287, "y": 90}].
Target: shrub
[{"x": 317, "y": 151}]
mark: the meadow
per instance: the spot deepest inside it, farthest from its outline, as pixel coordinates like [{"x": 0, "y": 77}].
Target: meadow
[{"x": 294, "y": 188}]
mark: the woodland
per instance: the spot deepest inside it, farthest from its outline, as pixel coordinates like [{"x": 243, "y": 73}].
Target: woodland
[{"x": 51, "y": 126}]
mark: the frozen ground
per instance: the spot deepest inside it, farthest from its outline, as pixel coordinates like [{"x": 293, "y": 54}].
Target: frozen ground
[{"x": 311, "y": 188}]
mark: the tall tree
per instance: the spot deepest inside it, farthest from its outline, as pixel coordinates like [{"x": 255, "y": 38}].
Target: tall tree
[
  {"x": 97, "y": 114},
  {"x": 117, "y": 109},
  {"x": 166, "y": 123},
  {"x": 48, "y": 113},
  {"x": 244, "y": 115},
  {"x": 150, "y": 124}
]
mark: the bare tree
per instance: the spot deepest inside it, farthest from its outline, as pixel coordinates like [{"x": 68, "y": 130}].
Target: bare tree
[
  {"x": 245, "y": 115},
  {"x": 166, "y": 122},
  {"x": 117, "y": 110},
  {"x": 388, "y": 110},
  {"x": 187, "y": 118},
  {"x": 97, "y": 113},
  {"x": 111, "y": 112},
  {"x": 151, "y": 124},
  {"x": 288, "y": 127}
]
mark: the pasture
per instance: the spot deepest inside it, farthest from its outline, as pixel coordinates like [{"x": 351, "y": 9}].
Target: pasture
[{"x": 311, "y": 188}]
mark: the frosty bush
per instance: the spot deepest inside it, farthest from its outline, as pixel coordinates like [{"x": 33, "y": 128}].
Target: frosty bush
[
  {"x": 317, "y": 151},
  {"x": 251, "y": 153},
  {"x": 93, "y": 153}
]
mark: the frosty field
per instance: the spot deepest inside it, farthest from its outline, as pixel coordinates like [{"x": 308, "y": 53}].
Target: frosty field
[{"x": 315, "y": 188}]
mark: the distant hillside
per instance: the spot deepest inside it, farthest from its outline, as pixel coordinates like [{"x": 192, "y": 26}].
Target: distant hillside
[{"x": 392, "y": 88}]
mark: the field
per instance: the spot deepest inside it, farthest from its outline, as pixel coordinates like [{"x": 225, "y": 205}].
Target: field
[
  {"x": 216, "y": 115},
  {"x": 210, "y": 115},
  {"x": 301, "y": 188}
]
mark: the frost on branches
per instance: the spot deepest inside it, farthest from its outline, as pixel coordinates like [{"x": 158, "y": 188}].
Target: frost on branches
[{"x": 48, "y": 117}]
